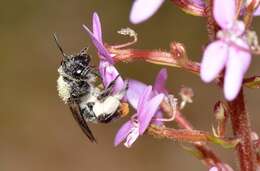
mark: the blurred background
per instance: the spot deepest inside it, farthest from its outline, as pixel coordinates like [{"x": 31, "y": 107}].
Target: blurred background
[{"x": 37, "y": 131}]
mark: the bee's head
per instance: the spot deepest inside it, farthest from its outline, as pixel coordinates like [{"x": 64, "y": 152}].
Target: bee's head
[{"x": 75, "y": 66}]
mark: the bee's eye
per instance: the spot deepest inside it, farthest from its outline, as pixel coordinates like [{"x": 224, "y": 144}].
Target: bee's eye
[{"x": 79, "y": 71}]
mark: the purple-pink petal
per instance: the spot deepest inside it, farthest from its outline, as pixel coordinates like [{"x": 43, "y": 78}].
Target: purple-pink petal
[
  {"x": 148, "y": 112},
  {"x": 158, "y": 115},
  {"x": 144, "y": 99},
  {"x": 104, "y": 54},
  {"x": 135, "y": 90},
  {"x": 96, "y": 26},
  {"x": 160, "y": 81},
  {"x": 144, "y": 9},
  {"x": 122, "y": 133},
  {"x": 237, "y": 64},
  {"x": 213, "y": 61},
  {"x": 224, "y": 12},
  {"x": 108, "y": 73},
  {"x": 200, "y": 3},
  {"x": 257, "y": 11}
]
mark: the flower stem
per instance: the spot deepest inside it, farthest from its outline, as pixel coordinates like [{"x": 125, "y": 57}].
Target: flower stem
[
  {"x": 209, "y": 158},
  {"x": 183, "y": 135},
  {"x": 212, "y": 26},
  {"x": 242, "y": 130}
]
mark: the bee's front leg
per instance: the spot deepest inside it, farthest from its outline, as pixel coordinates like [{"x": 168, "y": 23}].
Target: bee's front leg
[{"x": 107, "y": 91}]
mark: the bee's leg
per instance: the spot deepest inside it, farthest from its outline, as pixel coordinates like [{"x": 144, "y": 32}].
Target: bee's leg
[
  {"x": 107, "y": 109},
  {"x": 106, "y": 118},
  {"x": 108, "y": 91},
  {"x": 88, "y": 112},
  {"x": 122, "y": 92},
  {"x": 78, "y": 90},
  {"x": 83, "y": 51},
  {"x": 95, "y": 72},
  {"x": 110, "y": 105}
]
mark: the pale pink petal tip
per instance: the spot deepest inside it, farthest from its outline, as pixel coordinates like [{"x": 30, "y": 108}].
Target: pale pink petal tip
[
  {"x": 213, "y": 61},
  {"x": 236, "y": 67},
  {"x": 224, "y": 13},
  {"x": 143, "y": 9},
  {"x": 213, "y": 169},
  {"x": 97, "y": 27}
]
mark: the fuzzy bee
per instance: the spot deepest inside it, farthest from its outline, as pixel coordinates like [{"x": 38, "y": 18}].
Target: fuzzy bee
[{"x": 77, "y": 87}]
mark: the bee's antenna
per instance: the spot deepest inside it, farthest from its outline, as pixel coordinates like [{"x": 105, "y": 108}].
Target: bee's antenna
[{"x": 57, "y": 43}]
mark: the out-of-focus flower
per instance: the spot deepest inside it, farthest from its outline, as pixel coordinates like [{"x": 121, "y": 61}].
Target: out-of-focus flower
[
  {"x": 213, "y": 169},
  {"x": 106, "y": 68},
  {"x": 144, "y": 9},
  {"x": 231, "y": 50},
  {"x": 227, "y": 168},
  {"x": 146, "y": 109}
]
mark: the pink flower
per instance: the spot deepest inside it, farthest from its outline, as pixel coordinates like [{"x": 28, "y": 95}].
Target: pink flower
[
  {"x": 106, "y": 68},
  {"x": 146, "y": 109},
  {"x": 136, "y": 93},
  {"x": 230, "y": 51},
  {"x": 136, "y": 88}
]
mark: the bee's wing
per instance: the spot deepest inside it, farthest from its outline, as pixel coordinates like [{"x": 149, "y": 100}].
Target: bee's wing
[{"x": 74, "y": 107}]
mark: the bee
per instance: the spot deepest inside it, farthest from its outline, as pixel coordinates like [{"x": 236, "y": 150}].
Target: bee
[{"x": 77, "y": 87}]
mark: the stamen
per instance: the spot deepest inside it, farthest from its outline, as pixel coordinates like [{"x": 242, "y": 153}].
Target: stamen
[
  {"x": 126, "y": 32},
  {"x": 173, "y": 103}
]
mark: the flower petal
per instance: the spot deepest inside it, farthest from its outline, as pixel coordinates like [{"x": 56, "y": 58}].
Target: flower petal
[
  {"x": 122, "y": 133},
  {"x": 158, "y": 115},
  {"x": 96, "y": 25},
  {"x": 132, "y": 136},
  {"x": 144, "y": 99},
  {"x": 160, "y": 81},
  {"x": 148, "y": 112},
  {"x": 213, "y": 61},
  {"x": 200, "y": 3},
  {"x": 238, "y": 28},
  {"x": 237, "y": 64},
  {"x": 257, "y": 11},
  {"x": 224, "y": 13},
  {"x": 103, "y": 53},
  {"x": 144, "y": 9},
  {"x": 108, "y": 73},
  {"x": 135, "y": 90},
  {"x": 213, "y": 169}
]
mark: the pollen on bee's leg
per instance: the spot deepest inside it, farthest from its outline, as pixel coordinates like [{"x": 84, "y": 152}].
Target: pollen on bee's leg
[
  {"x": 100, "y": 86},
  {"x": 123, "y": 110}
]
